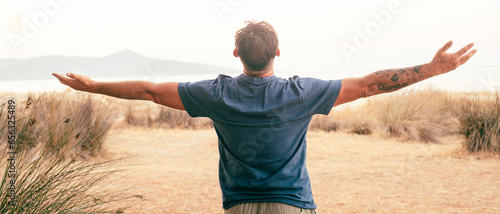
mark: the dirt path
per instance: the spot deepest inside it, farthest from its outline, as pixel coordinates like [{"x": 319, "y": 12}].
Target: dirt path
[{"x": 349, "y": 173}]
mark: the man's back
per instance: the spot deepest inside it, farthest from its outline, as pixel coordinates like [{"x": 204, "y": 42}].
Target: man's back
[{"x": 261, "y": 124}]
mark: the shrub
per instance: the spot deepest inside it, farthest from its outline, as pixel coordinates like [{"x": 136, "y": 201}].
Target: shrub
[
  {"x": 51, "y": 182},
  {"x": 141, "y": 117},
  {"x": 420, "y": 115},
  {"x": 139, "y": 113},
  {"x": 324, "y": 123},
  {"x": 60, "y": 119},
  {"x": 479, "y": 118},
  {"x": 359, "y": 120},
  {"x": 417, "y": 115}
]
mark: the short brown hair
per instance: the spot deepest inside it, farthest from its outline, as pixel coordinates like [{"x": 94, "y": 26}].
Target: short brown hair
[{"x": 257, "y": 44}]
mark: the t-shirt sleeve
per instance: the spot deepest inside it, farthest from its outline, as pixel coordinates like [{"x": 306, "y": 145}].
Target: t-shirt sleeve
[
  {"x": 195, "y": 97},
  {"x": 320, "y": 95}
]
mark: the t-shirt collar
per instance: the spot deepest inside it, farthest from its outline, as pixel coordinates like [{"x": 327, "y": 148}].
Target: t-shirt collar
[{"x": 257, "y": 80}]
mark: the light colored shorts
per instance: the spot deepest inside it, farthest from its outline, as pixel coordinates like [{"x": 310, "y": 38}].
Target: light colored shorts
[{"x": 266, "y": 208}]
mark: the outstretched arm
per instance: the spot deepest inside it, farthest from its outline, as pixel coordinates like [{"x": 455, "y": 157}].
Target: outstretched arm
[
  {"x": 162, "y": 93},
  {"x": 394, "y": 79}
]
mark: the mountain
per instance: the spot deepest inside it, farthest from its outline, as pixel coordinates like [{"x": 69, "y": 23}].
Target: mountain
[{"x": 122, "y": 64}]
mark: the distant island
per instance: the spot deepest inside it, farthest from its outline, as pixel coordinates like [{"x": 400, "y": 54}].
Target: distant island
[{"x": 122, "y": 64}]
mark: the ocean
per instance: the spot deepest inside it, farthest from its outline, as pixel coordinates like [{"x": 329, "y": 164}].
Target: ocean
[{"x": 462, "y": 79}]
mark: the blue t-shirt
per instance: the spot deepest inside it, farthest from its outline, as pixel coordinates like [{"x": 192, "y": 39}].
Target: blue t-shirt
[{"x": 261, "y": 124}]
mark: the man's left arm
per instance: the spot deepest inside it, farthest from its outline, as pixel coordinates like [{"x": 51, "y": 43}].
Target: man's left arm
[{"x": 394, "y": 79}]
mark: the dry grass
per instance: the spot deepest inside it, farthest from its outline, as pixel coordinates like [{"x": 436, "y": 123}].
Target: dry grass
[
  {"x": 480, "y": 122},
  {"x": 418, "y": 115},
  {"x": 155, "y": 116},
  {"x": 47, "y": 169},
  {"x": 350, "y": 118},
  {"x": 324, "y": 123},
  {"x": 421, "y": 116},
  {"x": 59, "y": 119},
  {"x": 177, "y": 171},
  {"x": 409, "y": 115}
]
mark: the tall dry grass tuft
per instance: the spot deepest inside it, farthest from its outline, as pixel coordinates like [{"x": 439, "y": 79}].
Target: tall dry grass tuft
[
  {"x": 324, "y": 123},
  {"x": 415, "y": 115},
  {"x": 359, "y": 120},
  {"x": 61, "y": 119},
  {"x": 418, "y": 115},
  {"x": 139, "y": 117},
  {"x": 53, "y": 182},
  {"x": 354, "y": 120},
  {"x": 152, "y": 115},
  {"x": 171, "y": 118},
  {"x": 479, "y": 117}
]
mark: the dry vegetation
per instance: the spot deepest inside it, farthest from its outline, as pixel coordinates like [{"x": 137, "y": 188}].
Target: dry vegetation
[
  {"x": 422, "y": 116},
  {"x": 59, "y": 120},
  {"x": 59, "y": 132},
  {"x": 148, "y": 114},
  {"x": 55, "y": 136},
  {"x": 479, "y": 117}
]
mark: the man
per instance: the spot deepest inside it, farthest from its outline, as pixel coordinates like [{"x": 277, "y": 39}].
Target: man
[{"x": 261, "y": 120}]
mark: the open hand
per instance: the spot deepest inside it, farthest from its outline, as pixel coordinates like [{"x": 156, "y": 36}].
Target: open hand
[
  {"x": 444, "y": 62},
  {"x": 77, "y": 82}
]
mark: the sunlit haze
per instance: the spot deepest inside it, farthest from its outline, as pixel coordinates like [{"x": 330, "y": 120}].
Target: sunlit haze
[{"x": 315, "y": 36}]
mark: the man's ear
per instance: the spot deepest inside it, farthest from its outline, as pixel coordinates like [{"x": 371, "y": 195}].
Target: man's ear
[
  {"x": 278, "y": 52},
  {"x": 235, "y": 52}
]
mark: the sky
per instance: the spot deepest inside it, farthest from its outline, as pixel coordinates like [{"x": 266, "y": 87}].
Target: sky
[{"x": 315, "y": 36}]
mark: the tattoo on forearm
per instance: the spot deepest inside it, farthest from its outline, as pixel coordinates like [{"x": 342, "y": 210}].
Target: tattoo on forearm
[
  {"x": 394, "y": 79},
  {"x": 385, "y": 87},
  {"x": 402, "y": 71},
  {"x": 417, "y": 68}
]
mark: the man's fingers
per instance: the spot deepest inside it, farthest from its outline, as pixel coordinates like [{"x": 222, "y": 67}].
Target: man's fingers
[
  {"x": 74, "y": 76},
  {"x": 464, "y": 49},
  {"x": 65, "y": 80},
  {"x": 443, "y": 49},
  {"x": 466, "y": 57},
  {"x": 77, "y": 77},
  {"x": 59, "y": 77}
]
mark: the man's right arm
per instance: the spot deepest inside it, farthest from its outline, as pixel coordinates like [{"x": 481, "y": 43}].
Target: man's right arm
[
  {"x": 161, "y": 93},
  {"x": 394, "y": 79}
]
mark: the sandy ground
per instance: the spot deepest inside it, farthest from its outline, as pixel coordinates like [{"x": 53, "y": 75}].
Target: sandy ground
[{"x": 177, "y": 173}]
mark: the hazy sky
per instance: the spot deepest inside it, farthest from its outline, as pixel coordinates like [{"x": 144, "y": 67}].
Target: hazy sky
[{"x": 314, "y": 35}]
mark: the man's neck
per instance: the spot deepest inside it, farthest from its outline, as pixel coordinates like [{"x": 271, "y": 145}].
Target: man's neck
[{"x": 257, "y": 74}]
